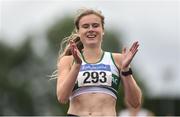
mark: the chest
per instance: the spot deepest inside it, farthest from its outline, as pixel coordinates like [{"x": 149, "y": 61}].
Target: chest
[{"x": 95, "y": 74}]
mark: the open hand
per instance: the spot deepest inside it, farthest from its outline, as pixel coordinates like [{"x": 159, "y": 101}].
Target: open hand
[
  {"x": 127, "y": 56},
  {"x": 75, "y": 52}
]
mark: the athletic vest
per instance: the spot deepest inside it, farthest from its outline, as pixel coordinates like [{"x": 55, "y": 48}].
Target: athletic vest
[{"x": 102, "y": 77}]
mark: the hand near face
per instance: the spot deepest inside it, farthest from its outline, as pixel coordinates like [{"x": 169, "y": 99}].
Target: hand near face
[
  {"x": 127, "y": 56},
  {"x": 75, "y": 52}
]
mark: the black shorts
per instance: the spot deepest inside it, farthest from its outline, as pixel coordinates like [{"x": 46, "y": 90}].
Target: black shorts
[{"x": 72, "y": 115}]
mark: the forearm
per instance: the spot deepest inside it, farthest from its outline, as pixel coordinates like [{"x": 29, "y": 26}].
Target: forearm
[
  {"x": 65, "y": 88},
  {"x": 132, "y": 91}
]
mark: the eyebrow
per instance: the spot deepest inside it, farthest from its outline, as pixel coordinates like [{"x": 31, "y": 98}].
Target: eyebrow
[{"x": 90, "y": 23}]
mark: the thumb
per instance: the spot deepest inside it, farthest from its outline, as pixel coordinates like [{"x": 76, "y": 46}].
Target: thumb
[{"x": 123, "y": 50}]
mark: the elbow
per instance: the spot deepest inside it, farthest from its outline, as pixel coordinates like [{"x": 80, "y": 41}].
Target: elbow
[
  {"x": 137, "y": 101},
  {"x": 136, "y": 104},
  {"x": 62, "y": 98}
]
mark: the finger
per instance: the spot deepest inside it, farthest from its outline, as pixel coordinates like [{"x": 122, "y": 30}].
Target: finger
[
  {"x": 77, "y": 58},
  {"x": 135, "y": 48},
  {"x": 72, "y": 48},
  {"x": 70, "y": 42},
  {"x": 134, "y": 53},
  {"x": 76, "y": 54},
  {"x": 75, "y": 51},
  {"x": 133, "y": 45},
  {"x": 123, "y": 50},
  {"x": 76, "y": 48}
]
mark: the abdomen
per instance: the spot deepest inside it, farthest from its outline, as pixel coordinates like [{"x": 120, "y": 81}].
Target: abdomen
[{"x": 93, "y": 104}]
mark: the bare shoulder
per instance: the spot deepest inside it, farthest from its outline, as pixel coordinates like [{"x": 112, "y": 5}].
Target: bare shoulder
[
  {"x": 65, "y": 61},
  {"x": 117, "y": 58},
  {"x": 116, "y": 55}
]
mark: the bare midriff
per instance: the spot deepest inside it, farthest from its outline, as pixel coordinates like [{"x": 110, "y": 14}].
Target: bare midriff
[{"x": 93, "y": 104}]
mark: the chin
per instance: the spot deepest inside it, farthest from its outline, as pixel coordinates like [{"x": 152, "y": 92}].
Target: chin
[{"x": 93, "y": 41}]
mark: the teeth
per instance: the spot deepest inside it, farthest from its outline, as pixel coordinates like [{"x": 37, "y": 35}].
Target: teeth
[{"x": 91, "y": 36}]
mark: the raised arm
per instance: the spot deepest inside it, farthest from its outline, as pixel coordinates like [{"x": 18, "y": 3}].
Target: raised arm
[
  {"x": 67, "y": 74},
  {"x": 131, "y": 89}
]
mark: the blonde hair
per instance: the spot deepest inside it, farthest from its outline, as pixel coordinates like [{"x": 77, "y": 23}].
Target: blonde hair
[{"x": 65, "y": 46}]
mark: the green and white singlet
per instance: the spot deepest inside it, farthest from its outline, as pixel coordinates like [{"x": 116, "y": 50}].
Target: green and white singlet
[{"x": 100, "y": 77}]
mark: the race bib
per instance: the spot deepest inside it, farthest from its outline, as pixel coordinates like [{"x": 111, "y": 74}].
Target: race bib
[{"x": 94, "y": 75}]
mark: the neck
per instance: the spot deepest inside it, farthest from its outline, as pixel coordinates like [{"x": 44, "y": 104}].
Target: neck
[{"x": 92, "y": 55}]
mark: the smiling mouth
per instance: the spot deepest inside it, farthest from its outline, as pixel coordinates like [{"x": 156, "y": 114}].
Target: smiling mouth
[{"x": 91, "y": 36}]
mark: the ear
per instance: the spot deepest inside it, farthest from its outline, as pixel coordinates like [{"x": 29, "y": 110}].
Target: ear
[
  {"x": 103, "y": 33},
  {"x": 76, "y": 31}
]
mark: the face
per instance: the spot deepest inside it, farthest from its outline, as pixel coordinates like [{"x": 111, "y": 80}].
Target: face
[{"x": 91, "y": 30}]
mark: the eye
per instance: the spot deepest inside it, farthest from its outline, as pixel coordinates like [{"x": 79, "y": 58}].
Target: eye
[
  {"x": 95, "y": 25},
  {"x": 85, "y": 26}
]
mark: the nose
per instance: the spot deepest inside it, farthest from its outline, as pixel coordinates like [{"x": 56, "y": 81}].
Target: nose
[{"x": 90, "y": 28}]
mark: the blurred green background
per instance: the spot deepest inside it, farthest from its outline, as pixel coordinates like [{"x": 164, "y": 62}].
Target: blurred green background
[{"x": 25, "y": 85}]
